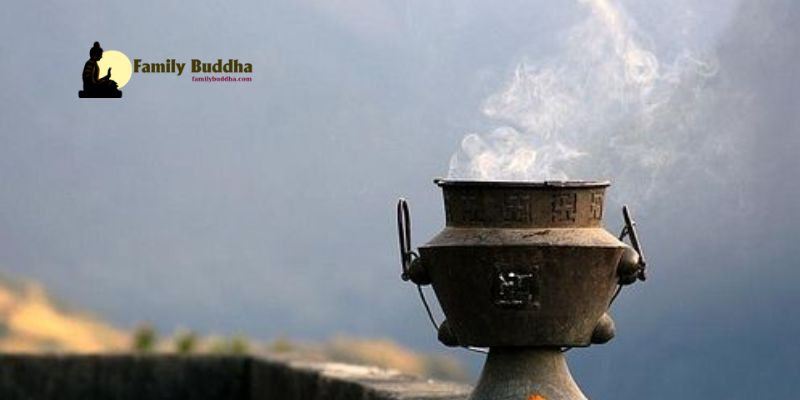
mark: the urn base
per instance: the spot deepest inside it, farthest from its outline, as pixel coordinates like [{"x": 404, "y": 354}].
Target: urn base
[{"x": 526, "y": 373}]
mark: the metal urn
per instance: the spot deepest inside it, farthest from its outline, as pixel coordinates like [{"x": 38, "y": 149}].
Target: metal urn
[{"x": 527, "y": 270}]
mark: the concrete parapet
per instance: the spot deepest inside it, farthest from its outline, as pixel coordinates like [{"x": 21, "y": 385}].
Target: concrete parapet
[{"x": 198, "y": 377}]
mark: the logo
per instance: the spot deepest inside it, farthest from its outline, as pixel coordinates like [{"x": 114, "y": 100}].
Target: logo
[
  {"x": 106, "y": 72},
  {"x": 97, "y": 86}
]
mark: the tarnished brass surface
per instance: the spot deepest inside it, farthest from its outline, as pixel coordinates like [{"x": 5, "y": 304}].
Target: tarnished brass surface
[{"x": 523, "y": 264}]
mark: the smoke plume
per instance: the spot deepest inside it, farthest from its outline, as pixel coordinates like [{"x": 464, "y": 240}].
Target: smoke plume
[{"x": 603, "y": 107}]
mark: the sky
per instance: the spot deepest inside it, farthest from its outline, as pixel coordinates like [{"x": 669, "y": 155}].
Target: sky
[{"x": 267, "y": 208}]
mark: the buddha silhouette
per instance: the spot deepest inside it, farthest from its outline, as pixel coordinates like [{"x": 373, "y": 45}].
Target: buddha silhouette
[{"x": 93, "y": 84}]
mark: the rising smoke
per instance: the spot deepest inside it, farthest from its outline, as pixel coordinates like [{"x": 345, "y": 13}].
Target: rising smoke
[{"x": 604, "y": 107}]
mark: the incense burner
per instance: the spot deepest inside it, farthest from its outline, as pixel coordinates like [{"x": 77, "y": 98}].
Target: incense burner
[{"x": 525, "y": 269}]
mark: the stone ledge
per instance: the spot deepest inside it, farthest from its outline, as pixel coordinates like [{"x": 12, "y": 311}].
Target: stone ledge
[{"x": 198, "y": 377}]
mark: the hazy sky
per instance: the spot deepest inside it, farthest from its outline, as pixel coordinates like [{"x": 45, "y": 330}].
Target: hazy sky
[{"x": 267, "y": 207}]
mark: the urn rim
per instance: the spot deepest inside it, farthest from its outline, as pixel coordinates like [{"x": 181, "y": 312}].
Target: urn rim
[{"x": 442, "y": 182}]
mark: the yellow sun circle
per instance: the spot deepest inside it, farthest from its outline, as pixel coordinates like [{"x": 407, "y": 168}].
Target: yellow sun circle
[{"x": 120, "y": 65}]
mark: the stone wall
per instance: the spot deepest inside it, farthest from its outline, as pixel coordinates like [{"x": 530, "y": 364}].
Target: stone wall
[{"x": 200, "y": 377}]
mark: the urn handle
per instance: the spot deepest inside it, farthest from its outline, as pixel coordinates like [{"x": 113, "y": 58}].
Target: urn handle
[
  {"x": 632, "y": 265},
  {"x": 410, "y": 261},
  {"x": 414, "y": 271}
]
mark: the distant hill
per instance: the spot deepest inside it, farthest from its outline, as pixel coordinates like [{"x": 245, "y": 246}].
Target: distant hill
[{"x": 32, "y": 322}]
